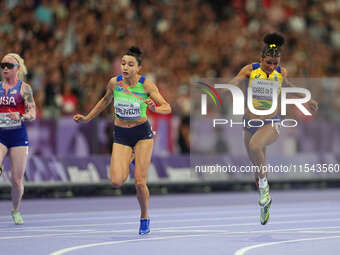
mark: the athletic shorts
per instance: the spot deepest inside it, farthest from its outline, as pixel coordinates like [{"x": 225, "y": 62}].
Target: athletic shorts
[
  {"x": 258, "y": 124},
  {"x": 14, "y": 137},
  {"x": 130, "y": 136}
]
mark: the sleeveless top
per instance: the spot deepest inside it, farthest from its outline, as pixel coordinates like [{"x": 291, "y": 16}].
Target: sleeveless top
[
  {"x": 262, "y": 86},
  {"x": 128, "y": 102},
  {"x": 11, "y": 102}
]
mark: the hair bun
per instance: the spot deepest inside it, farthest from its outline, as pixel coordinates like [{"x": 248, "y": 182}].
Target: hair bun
[
  {"x": 135, "y": 50},
  {"x": 274, "y": 38}
]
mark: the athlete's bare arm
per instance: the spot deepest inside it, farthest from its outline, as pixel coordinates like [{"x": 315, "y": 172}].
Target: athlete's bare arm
[
  {"x": 152, "y": 90},
  {"x": 27, "y": 94},
  {"x": 100, "y": 106},
  {"x": 242, "y": 75},
  {"x": 312, "y": 103}
]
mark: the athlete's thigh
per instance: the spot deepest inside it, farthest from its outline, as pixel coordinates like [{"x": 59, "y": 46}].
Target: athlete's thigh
[
  {"x": 18, "y": 157},
  {"x": 120, "y": 160},
  {"x": 265, "y": 135},
  {"x": 3, "y": 152},
  {"x": 143, "y": 152}
]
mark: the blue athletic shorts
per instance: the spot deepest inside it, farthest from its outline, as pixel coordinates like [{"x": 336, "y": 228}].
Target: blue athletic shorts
[
  {"x": 14, "y": 137},
  {"x": 253, "y": 130},
  {"x": 130, "y": 136}
]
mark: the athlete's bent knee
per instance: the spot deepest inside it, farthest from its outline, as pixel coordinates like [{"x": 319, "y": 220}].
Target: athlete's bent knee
[
  {"x": 142, "y": 188},
  {"x": 140, "y": 180},
  {"x": 140, "y": 183},
  {"x": 116, "y": 183},
  {"x": 17, "y": 182}
]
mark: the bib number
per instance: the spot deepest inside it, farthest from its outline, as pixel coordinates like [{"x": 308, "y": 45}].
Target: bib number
[
  {"x": 263, "y": 89},
  {"x": 7, "y": 123},
  {"x": 127, "y": 111}
]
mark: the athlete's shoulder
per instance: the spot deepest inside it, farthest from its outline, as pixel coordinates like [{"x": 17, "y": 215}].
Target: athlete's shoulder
[
  {"x": 246, "y": 70},
  {"x": 283, "y": 71},
  {"x": 113, "y": 79},
  {"x": 25, "y": 85},
  {"x": 149, "y": 86},
  {"x": 254, "y": 66},
  {"x": 149, "y": 83}
]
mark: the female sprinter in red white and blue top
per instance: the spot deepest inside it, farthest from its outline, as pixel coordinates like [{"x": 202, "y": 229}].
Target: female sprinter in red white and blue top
[{"x": 16, "y": 106}]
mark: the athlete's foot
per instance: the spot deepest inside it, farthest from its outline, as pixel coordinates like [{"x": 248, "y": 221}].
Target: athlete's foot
[
  {"x": 17, "y": 217},
  {"x": 264, "y": 203},
  {"x": 144, "y": 227}
]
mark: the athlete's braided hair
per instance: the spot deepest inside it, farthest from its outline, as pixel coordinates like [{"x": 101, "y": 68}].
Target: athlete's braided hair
[{"x": 273, "y": 43}]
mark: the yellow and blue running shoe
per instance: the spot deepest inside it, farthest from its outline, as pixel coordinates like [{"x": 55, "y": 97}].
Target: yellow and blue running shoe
[
  {"x": 17, "y": 217},
  {"x": 144, "y": 227},
  {"x": 264, "y": 203}
]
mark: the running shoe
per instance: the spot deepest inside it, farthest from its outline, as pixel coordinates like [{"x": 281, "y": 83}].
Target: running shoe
[
  {"x": 264, "y": 203},
  {"x": 144, "y": 227},
  {"x": 17, "y": 217}
]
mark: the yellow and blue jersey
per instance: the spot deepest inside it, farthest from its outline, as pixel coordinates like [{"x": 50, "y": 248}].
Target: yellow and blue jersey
[{"x": 262, "y": 86}]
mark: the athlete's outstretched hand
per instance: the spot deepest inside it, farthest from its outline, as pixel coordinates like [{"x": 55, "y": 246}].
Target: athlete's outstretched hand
[
  {"x": 80, "y": 118},
  {"x": 151, "y": 104},
  {"x": 313, "y": 105}
]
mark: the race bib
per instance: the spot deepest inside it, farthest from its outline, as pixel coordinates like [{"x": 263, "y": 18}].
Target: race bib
[
  {"x": 7, "y": 123},
  {"x": 127, "y": 111},
  {"x": 263, "y": 89}
]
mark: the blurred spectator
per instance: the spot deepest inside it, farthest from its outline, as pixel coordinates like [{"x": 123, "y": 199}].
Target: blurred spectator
[
  {"x": 77, "y": 45},
  {"x": 69, "y": 102}
]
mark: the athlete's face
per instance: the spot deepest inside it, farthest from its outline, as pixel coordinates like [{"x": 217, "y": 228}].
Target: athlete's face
[
  {"x": 269, "y": 64},
  {"x": 129, "y": 66},
  {"x": 9, "y": 67}
]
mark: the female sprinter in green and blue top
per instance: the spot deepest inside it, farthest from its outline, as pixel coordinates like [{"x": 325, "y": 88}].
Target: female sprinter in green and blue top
[
  {"x": 16, "y": 106},
  {"x": 257, "y": 138},
  {"x": 132, "y": 94}
]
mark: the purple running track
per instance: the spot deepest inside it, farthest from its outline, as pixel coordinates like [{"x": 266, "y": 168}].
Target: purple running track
[{"x": 301, "y": 222}]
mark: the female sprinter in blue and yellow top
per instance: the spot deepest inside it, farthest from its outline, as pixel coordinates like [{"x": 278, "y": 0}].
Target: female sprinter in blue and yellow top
[
  {"x": 261, "y": 76},
  {"x": 132, "y": 94},
  {"x": 16, "y": 106}
]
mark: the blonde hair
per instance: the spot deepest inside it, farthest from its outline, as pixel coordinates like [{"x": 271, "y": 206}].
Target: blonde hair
[{"x": 22, "y": 68}]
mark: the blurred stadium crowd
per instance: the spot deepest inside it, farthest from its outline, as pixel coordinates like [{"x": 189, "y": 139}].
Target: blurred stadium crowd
[{"x": 73, "y": 47}]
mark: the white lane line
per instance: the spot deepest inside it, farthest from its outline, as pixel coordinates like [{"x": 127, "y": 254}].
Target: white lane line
[
  {"x": 295, "y": 230},
  {"x": 135, "y": 216},
  {"x": 167, "y": 228},
  {"x": 63, "y": 251},
  {"x": 166, "y": 221},
  {"x": 162, "y": 230},
  {"x": 239, "y": 252},
  {"x": 113, "y": 218},
  {"x": 243, "y": 251},
  {"x": 209, "y": 209},
  {"x": 320, "y": 232}
]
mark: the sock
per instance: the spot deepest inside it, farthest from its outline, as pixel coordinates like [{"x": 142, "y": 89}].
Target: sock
[{"x": 263, "y": 182}]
